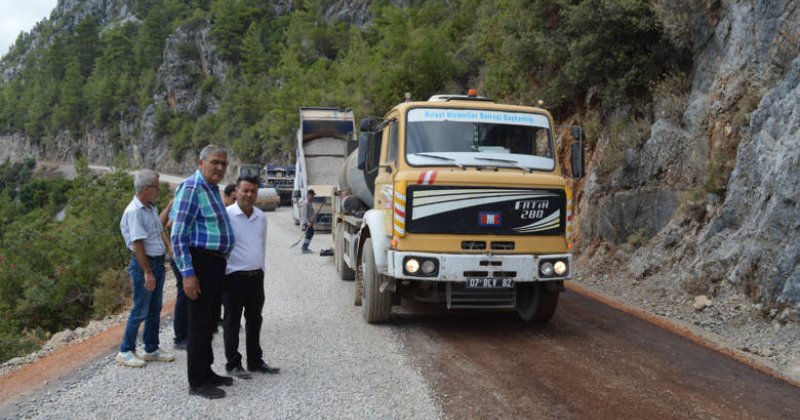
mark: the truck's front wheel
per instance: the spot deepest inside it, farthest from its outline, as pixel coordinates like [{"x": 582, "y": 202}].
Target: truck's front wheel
[
  {"x": 345, "y": 272},
  {"x": 375, "y": 306},
  {"x": 536, "y": 302}
]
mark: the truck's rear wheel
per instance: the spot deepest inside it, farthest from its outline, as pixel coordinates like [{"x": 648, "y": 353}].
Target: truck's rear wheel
[
  {"x": 345, "y": 272},
  {"x": 375, "y": 306},
  {"x": 536, "y": 302}
]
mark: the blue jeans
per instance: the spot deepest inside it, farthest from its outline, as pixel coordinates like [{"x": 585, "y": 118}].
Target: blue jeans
[
  {"x": 146, "y": 306},
  {"x": 309, "y": 235}
]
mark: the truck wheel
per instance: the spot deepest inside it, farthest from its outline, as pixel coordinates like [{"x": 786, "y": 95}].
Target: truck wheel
[
  {"x": 375, "y": 306},
  {"x": 345, "y": 272},
  {"x": 536, "y": 302}
]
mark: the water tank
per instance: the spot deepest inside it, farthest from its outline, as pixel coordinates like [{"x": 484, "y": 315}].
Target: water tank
[{"x": 352, "y": 179}]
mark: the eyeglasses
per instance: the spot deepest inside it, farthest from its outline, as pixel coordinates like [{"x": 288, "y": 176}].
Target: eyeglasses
[{"x": 153, "y": 186}]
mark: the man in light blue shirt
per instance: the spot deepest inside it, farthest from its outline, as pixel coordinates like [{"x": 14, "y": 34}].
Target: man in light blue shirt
[{"x": 143, "y": 234}]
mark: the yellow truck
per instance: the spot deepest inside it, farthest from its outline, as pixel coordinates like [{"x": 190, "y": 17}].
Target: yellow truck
[{"x": 457, "y": 200}]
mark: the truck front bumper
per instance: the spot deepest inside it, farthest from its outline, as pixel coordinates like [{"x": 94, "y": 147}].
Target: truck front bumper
[{"x": 460, "y": 267}]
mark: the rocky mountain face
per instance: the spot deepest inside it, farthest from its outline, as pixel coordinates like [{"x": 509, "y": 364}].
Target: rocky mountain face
[{"x": 672, "y": 234}]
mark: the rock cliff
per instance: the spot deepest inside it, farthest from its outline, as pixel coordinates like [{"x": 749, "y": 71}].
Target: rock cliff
[{"x": 675, "y": 234}]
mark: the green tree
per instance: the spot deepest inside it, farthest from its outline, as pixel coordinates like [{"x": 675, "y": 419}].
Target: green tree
[
  {"x": 254, "y": 58},
  {"x": 70, "y": 108}
]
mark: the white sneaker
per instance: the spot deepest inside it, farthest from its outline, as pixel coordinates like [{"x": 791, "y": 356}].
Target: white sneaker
[
  {"x": 127, "y": 358},
  {"x": 158, "y": 356}
]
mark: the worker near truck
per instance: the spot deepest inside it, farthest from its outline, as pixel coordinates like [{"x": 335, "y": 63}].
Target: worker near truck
[
  {"x": 308, "y": 221},
  {"x": 144, "y": 237},
  {"x": 202, "y": 239},
  {"x": 244, "y": 281}
]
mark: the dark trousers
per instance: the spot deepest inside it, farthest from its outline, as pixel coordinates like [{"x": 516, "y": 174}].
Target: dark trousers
[
  {"x": 210, "y": 271},
  {"x": 181, "y": 318},
  {"x": 244, "y": 291}
]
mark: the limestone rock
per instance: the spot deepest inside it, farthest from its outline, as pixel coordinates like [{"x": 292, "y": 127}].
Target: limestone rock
[
  {"x": 701, "y": 302},
  {"x": 61, "y": 339}
]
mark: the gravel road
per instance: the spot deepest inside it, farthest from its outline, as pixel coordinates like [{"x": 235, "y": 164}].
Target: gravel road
[{"x": 333, "y": 365}]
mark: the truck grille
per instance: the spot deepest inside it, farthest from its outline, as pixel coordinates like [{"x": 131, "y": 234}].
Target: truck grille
[
  {"x": 458, "y": 296},
  {"x": 473, "y": 245},
  {"x": 482, "y": 211},
  {"x": 503, "y": 246}
]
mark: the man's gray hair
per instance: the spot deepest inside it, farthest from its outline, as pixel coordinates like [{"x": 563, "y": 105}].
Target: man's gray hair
[
  {"x": 143, "y": 178},
  {"x": 211, "y": 149}
]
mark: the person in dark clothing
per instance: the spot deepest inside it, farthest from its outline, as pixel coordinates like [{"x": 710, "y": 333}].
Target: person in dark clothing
[
  {"x": 202, "y": 237},
  {"x": 180, "y": 322}
]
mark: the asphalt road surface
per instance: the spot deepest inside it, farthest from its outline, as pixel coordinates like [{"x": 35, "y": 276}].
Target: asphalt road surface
[{"x": 591, "y": 361}]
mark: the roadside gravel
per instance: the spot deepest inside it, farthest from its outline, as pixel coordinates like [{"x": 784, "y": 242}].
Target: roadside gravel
[{"x": 333, "y": 365}]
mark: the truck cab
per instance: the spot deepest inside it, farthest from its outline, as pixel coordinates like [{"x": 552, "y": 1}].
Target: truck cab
[{"x": 470, "y": 208}]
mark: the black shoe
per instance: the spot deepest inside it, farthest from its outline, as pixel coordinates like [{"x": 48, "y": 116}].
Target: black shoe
[
  {"x": 218, "y": 380},
  {"x": 239, "y": 372},
  {"x": 180, "y": 345},
  {"x": 207, "y": 391},
  {"x": 263, "y": 368}
]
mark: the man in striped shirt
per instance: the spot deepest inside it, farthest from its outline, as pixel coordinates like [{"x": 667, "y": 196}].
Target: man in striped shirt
[{"x": 202, "y": 238}]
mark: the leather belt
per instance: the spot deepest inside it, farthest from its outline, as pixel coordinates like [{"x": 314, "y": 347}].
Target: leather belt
[
  {"x": 208, "y": 252},
  {"x": 250, "y": 273}
]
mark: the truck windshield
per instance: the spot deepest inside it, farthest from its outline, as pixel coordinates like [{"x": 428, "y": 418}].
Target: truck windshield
[{"x": 478, "y": 138}]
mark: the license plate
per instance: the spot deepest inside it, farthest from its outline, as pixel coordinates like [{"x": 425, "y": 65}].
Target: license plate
[{"x": 489, "y": 283}]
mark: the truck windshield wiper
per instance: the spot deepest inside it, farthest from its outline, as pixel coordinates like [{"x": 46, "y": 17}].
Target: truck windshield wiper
[
  {"x": 447, "y": 159},
  {"x": 513, "y": 162}
]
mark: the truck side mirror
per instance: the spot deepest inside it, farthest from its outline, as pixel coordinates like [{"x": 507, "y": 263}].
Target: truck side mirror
[
  {"x": 577, "y": 160},
  {"x": 364, "y": 140},
  {"x": 296, "y": 194}
]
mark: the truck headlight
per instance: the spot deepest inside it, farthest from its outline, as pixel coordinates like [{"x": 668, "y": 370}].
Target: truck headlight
[
  {"x": 428, "y": 266},
  {"x": 560, "y": 267},
  {"x": 546, "y": 269},
  {"x": 412, "y": 265}
]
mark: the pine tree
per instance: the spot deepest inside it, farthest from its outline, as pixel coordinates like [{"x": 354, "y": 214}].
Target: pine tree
[{"x": 254, "y": 58}]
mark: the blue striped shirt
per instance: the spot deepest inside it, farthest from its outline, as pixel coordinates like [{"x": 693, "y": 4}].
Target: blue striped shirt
[{"x": 199, "y": 221}]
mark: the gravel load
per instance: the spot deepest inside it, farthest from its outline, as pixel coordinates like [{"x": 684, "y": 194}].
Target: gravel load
[{"x": 333, "y": 365}]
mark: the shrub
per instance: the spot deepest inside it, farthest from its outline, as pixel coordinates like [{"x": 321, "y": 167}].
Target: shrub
[
  {"x": 112, "y": 292},
  {"x": 12, "y": 346},
  {"x": 670, "y": 95}
]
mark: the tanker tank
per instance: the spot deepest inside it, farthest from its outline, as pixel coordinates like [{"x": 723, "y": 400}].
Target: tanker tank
[{"x": 352, "y": 180}]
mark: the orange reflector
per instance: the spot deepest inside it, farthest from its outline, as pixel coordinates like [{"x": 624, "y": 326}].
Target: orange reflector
[
  {"x": 393, "y": 243},
  {"x": 472, "y": 92}
]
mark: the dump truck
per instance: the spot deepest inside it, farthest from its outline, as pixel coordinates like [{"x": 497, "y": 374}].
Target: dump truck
[
  {"x": 324, "y": 139},
  {"x": 458, "y": 201},
  {"x": 282, "y": 179}
]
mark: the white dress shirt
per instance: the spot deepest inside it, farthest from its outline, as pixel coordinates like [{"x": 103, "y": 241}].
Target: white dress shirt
[
  {"x": 250, "y": 233},
  {"x": 142, "y": 224}
]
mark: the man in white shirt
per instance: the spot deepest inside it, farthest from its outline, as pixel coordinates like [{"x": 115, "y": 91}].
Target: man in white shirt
[
  {"x": 244, "y": 281},
  {"x": 144, "y": 237}
]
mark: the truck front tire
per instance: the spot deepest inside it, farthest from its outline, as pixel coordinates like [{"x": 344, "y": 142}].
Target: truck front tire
[
  {"x": 536, "y": 302},
  {"x": 375, "y": 306}
]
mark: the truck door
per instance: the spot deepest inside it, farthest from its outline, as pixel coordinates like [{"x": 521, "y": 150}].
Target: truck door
[{"x": 386, "y": 172}]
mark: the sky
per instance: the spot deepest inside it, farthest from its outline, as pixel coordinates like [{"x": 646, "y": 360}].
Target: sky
[{"x": 20, "y": 15}]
